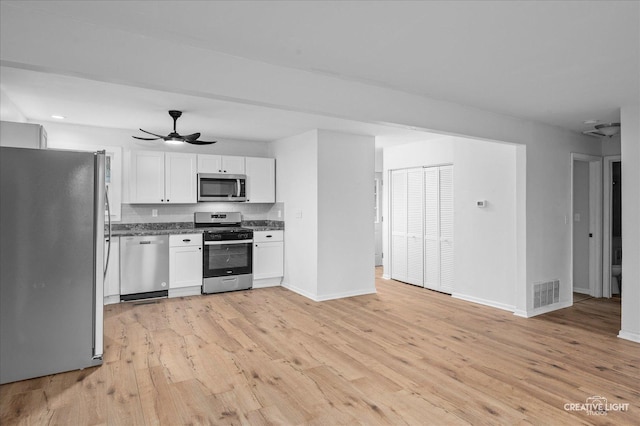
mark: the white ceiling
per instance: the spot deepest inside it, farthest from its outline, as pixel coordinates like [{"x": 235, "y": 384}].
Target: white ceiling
[{"x": 558, "y": 63}]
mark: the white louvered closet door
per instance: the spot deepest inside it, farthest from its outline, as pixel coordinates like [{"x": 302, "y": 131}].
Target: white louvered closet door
[
  {"x": 446, "y": 229},
  {"x": 415, "y": 256},
  {"x": 399, "y": 225},
  {"x": 431, "y": 229}
]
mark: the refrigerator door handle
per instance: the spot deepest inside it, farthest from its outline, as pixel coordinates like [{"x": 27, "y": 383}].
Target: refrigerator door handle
[
  {"x": 98, "y": 288},
  {"x": 106, "y": 266}
]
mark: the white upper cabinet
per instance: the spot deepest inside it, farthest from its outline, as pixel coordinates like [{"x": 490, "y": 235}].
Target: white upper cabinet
[
  {"x": 180, "y": 178},
  {"x": 220, "y": 164},
  {"x": 157, "y": 177},
  {"x": 146, "y": 178},
  {"x": 261, "y": 180}
]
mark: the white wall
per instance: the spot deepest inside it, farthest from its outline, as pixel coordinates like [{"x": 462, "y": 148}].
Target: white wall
[
  {"x": 630, "y": 132},
  {"x": 611, "y": 146},
  {"x": 346, "y": 244},
  {"x": 9, "y": 111},
  {"x": 485, "y": 240},
  {"x": 548, "y": 201},
  {"x": 297, "y": 187},
  {"x": 325, "y": 181}
]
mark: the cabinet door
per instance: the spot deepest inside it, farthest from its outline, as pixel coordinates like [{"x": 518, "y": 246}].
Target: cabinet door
[
  {"x": 146, "y": 177},
  {"x": 209, "y": 163},
  {"x": 233, "y": 165},
  {"x": 185, "y": 267},
  {"x": 261, "y": 180},
  {"x": 180, "y": 178},
  {"x": 268, "y": 260},
  {"x": 112, "y": 280}
]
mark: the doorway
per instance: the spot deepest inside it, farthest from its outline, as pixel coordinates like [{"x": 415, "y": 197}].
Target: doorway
[
  {"x": 612, "y": 235},
  {"x": 586, "y": 224}
]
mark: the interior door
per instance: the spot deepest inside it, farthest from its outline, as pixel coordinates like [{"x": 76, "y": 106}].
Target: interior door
[
  {"x": 399, "y": 225},
  {"x": 446, "y": 228},
  {"x": 415, "y": 257},
  {"x": 431, "y": 229}
]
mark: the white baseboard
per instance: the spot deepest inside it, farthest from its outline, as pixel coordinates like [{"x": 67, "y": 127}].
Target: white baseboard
[
  {"x": 353, "y": 293},
  {"x": 543, "y": 310},
  {"x": 326, "y": 297},
  {"x": 485, "y": 302},
  {"x": 110, "y": 300},
  {"x": 185, "y": 291},
  {"x": 627, "y": 335},
  {"x": 267, "y": 282},
  {"x": 386, "y": 277},
  {"x": 582, "y": 291},
  {"x": 298, "y": 290},
  {"x": 520, "y": 313}
]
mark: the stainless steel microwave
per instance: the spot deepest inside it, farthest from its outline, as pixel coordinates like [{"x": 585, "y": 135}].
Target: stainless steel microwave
[{"x": 221, "y": 187}]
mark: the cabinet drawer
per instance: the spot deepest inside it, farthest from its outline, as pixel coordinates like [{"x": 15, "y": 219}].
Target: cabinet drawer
[
  {"x": 266, "y": 236},
  {"x": 184, "y": 240}
]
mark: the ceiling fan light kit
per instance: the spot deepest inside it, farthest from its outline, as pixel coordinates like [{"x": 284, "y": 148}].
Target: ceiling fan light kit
[
  {"x": 604, "y": 130},
  {"x": 174, "y": 137}
]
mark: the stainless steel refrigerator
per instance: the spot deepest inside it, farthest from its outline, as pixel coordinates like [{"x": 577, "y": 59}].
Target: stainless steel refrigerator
[{"x": 51, "y": 261}]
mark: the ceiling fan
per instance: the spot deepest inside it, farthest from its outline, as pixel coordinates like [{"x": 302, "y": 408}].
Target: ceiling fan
[
  {"x": 604, "y": 130},
  {"x": 174, "y": 137}
]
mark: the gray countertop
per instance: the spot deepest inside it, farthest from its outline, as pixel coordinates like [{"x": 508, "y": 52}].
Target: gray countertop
[{"x": 176, "y": 228}]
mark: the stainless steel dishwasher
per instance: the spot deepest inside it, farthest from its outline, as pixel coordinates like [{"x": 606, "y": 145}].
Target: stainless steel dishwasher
[{"x": 144, "y": 267}]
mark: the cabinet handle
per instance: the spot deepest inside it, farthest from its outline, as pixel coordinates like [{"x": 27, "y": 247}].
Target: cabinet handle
[
  {"x": 162, "y": 200},
  {"x": 219, "y": 171},
  {"x": 186, "y": 240},
  {"x": 167, "y": 200},
  {"x": 225, "y": 171},
  {"x": 269, "y": 236}
]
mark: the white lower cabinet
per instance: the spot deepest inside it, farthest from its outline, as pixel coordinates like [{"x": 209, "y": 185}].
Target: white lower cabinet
[
  {"x": 112, "y": 279},
  {"x": 185, "y": 265},
  {"x": 268, "y": 258}
]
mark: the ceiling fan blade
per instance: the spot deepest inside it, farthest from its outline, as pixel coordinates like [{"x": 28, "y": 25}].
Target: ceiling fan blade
[
  {"x": 200, "y": 142},
  {"x": 145, "y": 139},
  {"x": 191, "y": 137},
  {"x": 160, "y": 136}
]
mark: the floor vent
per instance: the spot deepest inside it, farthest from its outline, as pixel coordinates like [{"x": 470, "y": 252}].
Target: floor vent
[{"x": 546, "y": 293}]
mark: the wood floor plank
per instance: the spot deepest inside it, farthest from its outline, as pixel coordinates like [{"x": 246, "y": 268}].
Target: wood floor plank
[{"x": 404, "y": 355}]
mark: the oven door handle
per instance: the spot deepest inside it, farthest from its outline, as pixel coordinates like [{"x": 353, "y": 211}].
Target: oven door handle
[
  {"x": 222, "y": 243},
  {"x": 238, "y": 187}
]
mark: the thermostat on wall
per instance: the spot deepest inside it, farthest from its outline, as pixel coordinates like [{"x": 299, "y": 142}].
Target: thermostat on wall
[{"x": 481, "y": 203}]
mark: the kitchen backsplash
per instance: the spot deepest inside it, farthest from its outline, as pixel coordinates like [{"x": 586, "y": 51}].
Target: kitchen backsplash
[{"x": 137, "y": 213}]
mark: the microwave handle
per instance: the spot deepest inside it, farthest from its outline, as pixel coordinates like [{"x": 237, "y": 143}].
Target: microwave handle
[{"x": 238, "y": 186}]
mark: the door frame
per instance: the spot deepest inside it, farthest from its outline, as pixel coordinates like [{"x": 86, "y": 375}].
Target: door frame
[
  {"x": 607, "y": 222},
  {"x": 595, "y": 222}
]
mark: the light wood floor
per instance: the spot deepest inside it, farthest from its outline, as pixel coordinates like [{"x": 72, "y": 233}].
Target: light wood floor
[{"x": 403, "y": 356}]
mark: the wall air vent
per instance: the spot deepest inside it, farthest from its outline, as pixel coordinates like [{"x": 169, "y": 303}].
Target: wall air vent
[{"x": 546, "y": 293}]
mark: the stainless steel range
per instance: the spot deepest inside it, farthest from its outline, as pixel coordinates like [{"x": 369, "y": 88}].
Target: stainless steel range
[{"x": 228, "y": 252}]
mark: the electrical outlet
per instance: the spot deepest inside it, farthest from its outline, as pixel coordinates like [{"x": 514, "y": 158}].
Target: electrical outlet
[
  {"x": 154, "y": 212},
  {"x": 279, "y": 213}
]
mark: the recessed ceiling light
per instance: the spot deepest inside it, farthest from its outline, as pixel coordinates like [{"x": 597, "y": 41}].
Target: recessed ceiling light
[
  {"x": 58, "y": 117},
  {"x": 592, "y": 121}
]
